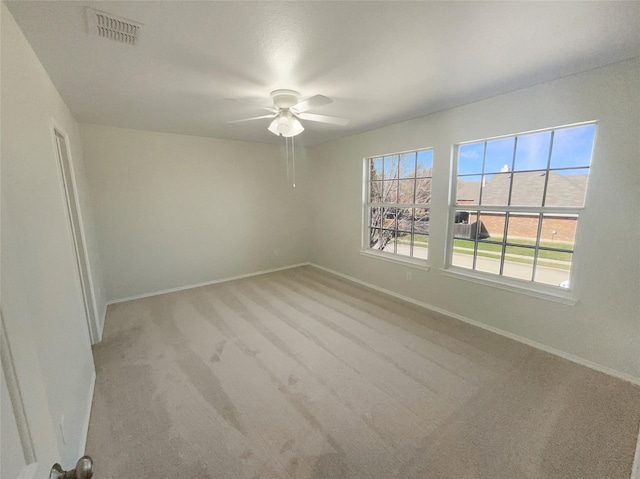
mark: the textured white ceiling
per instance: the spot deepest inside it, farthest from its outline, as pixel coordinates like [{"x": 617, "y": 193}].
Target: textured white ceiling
[{"x": 380, "y": 62}]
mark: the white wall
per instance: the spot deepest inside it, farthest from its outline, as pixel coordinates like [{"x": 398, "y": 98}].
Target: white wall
[
  {"x": 38, "y": 257},
  {"x": 604, "y": 325},
  {"x": 176, "y": 210}
]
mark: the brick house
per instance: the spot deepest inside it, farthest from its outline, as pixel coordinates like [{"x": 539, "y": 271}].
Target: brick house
[{"x": 527, "y": 190}]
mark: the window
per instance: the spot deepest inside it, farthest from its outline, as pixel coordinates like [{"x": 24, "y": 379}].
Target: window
[
  {"x": 398, "y": 195},
  {"x": 518, "y": 202}
]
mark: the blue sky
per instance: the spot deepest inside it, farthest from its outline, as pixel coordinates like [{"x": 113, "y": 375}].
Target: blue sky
[
  {"x": 571, "y": 148},
  {"x": 407, "y": 163}
]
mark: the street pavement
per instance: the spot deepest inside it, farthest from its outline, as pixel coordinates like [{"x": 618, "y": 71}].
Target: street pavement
[{"x": 512, "y": 269}]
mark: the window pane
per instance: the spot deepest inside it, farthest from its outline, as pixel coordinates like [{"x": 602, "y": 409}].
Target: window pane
[
  {"x": 391, "y": 167},
  {"x": 462, "y": 253},
  {"x": 477, "y": 229},
  {"x": 390, "y": 191},
  {"x": 532, "y": 151},
  {"x": 387, "y": 218},
  {"x": 405, "y": 219},
  {"x": 518, "y": 263},
  {"x": 375, "y": 166},
  {"x": 402, "y": 242},
  {"x": 534, "y": 170},
  {"x": 488, "y": 259},
  {"x": 376, "y": 216},
  {"x": 420, "y": 245},
  {"x": 406, "y": 191},
  {"x": 408, "y": 165},
  {"x": 374, "y": 238},
  {"x": 572, "y": 146},
  {"x": 554, "y": 272},
  {"x": 388, "y": 242},
  {"x": 375, "y": 192},
  {"x": 567, "y": 187},
  {"x": 390, "y": 218},
  {"x": 425, "y": 163},
  {"x": 470, "y": 158},
  {"x": 464, "y": 224},
  {"x": 528, "y": 188},
  {"x": 495, "y": 191},
  {"x": 558, "y": 231},
  {"x": 499, "y": 156},
  {"x": 523, "y": 229},
  {"x": 392, "y": 183},
  {"x": 468, "y": 191},
  {"x": 423, "y": 191},
  {"x": 493, "y": 225},
  {"x": 421, "y": 221}
]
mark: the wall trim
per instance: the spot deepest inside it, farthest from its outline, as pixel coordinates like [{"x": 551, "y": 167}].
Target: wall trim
[
  {"x": 501, "y": 332},
  {"x": 91, "y": 310},
  {"x": 205, "y": 283},
  {"x": 85, "y": 427}
]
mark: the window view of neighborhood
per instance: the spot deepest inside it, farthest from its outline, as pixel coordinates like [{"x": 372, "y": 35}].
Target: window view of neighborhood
[
  {"x": 399, "y": 195},
  {"x": 518, "y": 201}
]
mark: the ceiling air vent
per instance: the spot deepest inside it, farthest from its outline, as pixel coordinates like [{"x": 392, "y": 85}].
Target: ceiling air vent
[{"x": 113, "y": 27}]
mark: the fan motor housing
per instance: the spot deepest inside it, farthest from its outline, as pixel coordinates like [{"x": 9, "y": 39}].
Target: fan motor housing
[{"x": 285, "y": 98}]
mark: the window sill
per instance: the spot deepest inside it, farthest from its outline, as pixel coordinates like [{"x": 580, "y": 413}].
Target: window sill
[
  {"x": 550, "y": 293},
  {"x": 393, "y": 258}
]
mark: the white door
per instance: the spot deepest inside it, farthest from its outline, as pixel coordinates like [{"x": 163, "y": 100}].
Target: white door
[{"x": 28, "y": 446}]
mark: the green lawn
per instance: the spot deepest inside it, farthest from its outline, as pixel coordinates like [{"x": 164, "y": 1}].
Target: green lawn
[
  {"x": 519, "y": 255},
  {"x": 419, "y": 240},
  {"x": 491, "y": 250},
  {"x": 515, "y": 259}
]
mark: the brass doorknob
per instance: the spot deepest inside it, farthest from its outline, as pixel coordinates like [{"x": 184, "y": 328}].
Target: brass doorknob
[{"x": 83, "y": 470}]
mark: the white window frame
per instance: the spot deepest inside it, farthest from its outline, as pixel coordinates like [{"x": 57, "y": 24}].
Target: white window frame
[
  {"x": 537, "y": 289},
  {"x": 366, "y": 250}
]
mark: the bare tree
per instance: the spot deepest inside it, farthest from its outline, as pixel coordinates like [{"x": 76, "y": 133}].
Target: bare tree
[
  {"x": 383, "y": 218},
  {"x": 398, "y": 185}
]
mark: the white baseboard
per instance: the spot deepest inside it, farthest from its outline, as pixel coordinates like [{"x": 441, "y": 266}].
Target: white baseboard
[
  {"x": 206, "y": 283},
  {"x": 501, "y": 332},
  {"x": 85, "y": 426},
  {"x": 103, "y": 317},
  {"x": 635, "y": 469}
]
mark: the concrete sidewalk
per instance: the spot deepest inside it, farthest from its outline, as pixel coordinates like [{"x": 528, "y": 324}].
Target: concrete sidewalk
[{"x": 512, "y": 269}]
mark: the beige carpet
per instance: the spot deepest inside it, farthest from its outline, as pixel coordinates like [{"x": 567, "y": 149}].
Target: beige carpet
[{"x": 301, "y": 374}]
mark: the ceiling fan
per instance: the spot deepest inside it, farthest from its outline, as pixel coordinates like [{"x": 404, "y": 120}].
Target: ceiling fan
[{"x": 288, "y": 110}]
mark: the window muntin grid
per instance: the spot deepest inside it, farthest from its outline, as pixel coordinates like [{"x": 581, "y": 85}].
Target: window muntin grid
[
  {"x": 531, "y": 189},
  {"x": 398, "y": 198}
]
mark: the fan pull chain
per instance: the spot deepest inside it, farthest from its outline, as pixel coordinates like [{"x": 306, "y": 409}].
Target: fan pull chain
[
  {"x": 293, "y": 157},
  {"x": 286, "y": 143}
]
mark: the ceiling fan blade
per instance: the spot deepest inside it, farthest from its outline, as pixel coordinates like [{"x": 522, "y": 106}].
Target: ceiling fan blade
[
  {"x": 334, "y": 120},
  {"x": 254, "y": 118},
  {"x": 254, "y": 105},
  {"x": 313, "y": 102}
]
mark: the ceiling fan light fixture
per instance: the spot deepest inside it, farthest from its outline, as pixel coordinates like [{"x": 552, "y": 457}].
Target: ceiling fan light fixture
[
  {"x": 286, "y": 125},
  {"x": 295, "y": 127}
]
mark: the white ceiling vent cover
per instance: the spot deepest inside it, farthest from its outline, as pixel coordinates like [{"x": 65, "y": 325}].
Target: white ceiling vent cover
[{"x": 113, "y": 27}]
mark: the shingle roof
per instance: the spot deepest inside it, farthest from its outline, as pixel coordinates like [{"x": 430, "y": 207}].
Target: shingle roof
[
  {"x": 468, "y": 191},
  {"x": 528, "y": 187}
]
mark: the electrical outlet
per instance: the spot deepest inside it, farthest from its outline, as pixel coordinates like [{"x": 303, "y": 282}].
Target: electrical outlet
[{"x": 408, "y": 276}]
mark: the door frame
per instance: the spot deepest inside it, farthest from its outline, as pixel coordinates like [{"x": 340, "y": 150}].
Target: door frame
[{"x": 76, "y": 229}]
